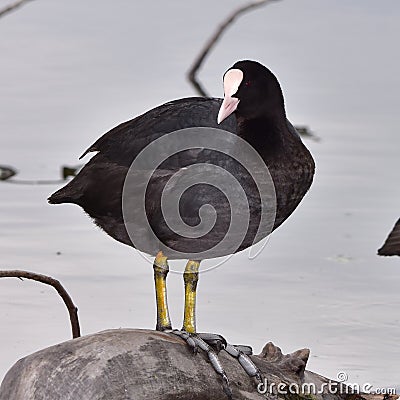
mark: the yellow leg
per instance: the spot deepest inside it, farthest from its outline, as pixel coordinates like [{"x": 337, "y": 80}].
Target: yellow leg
[
  {"x": 161, "y": 269},
  {"x": 190, "y": 277}
]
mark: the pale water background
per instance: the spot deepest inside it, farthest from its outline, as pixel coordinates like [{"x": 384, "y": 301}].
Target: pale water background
[{"x": 71, "y": 70}]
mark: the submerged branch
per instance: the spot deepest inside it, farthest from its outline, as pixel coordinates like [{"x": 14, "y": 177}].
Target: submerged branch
[
  {"x": 12, "y": 7},
  {"x": 8, "y": 172}
]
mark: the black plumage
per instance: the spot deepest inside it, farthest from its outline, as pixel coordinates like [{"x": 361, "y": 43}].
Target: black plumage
[
  {"x": 260, "y": 119},
  {"x": 391, "y": 247}
]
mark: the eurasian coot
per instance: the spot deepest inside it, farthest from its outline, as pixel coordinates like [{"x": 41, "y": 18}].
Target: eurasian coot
[{"x": 251, "y": 112}]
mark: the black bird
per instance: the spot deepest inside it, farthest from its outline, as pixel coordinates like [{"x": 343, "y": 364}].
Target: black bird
[{"x": 252, "y": 110}]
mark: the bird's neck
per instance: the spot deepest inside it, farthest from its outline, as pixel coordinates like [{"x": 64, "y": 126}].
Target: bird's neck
[{"x": 266, "y": 134}]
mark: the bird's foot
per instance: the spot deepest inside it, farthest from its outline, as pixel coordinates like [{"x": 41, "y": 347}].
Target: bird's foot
[
  {"x": 242, "y": 353},
  {"x": 195, "y": 342},
  {"x": 216, "y": 341},
  {"x": 212, "y": 344}
]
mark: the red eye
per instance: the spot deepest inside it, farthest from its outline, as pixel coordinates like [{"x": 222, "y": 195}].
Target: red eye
[{"x": 248, "y": 83}]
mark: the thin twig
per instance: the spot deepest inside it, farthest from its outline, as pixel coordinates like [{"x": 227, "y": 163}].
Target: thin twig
[
  {"x": 12, "y": 7},
  {"x": 214, "y": 38},
  {"x": 72, "y": 309}
]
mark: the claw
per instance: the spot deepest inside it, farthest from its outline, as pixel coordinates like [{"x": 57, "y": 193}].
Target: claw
[
  {"x": 226, "y": 387},
  {"x": 212, "y": 356}
]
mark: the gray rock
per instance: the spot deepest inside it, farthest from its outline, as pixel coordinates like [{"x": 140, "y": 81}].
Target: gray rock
[{"x": 142, "y": 364}]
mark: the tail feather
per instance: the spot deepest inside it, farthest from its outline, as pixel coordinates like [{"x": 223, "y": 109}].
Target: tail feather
[{"x": 62, "y": 195}]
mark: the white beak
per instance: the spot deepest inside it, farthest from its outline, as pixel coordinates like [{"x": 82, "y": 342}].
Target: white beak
[
  {"x": 228, "y": 106},
  {"x": 232, "y": 80}
]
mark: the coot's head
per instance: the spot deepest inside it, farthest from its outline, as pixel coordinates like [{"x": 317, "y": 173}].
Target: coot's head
[{"x": 251, "y": 90}]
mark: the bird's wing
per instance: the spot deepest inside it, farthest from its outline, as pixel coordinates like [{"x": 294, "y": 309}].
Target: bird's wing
[{"x": 124, "y": 142}]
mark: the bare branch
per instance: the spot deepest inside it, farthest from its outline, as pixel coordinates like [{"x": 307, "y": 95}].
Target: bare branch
[
  {"x": 12, "y": 7},
  {"x": 72, "y": 309},
  {"x": 214, "y": 38}
]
